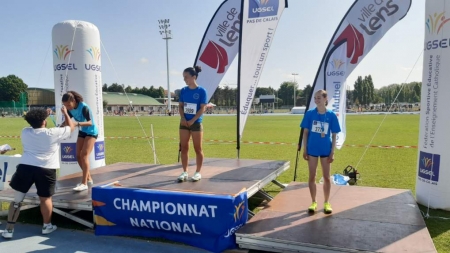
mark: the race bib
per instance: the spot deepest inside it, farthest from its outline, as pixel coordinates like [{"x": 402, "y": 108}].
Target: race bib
[
  {"x": 318, "y": 126},
  {"x": 190, "y": 108}
]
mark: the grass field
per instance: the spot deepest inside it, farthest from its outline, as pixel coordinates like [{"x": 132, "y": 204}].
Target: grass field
[{"x": 379, "y": 167}]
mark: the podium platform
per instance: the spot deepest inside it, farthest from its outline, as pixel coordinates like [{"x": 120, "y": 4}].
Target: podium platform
[
  {"x": 364, "y": 219},
  {"x": 219, "y": 176}
]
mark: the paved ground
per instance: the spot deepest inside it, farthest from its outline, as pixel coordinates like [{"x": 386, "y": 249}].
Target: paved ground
[{"x": 28, "y": 238}]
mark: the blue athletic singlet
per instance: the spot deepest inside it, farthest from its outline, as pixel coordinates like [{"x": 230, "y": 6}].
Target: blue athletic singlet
[
  {"x": 317, "y": 124},
  {"x": 83, "y": 114},
  {"x": 192, "y": 99}
]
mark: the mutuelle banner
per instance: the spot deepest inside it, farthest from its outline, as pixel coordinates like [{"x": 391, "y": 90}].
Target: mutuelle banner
[
  {"x": 362, "y": 27},
  {"x": 219, "y": 46},
  {"x": 201, "y": 220},
  {"x": 259, "y": 22},
  {"x": 433, "y": 172},
  {"x": 77, "y": 66}
]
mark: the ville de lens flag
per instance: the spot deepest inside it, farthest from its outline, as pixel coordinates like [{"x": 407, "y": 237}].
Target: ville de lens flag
[
  {"x": 259, "y": 22},
  {"x": 219, "y": 46},
  {"x": 362, "y": 27}
]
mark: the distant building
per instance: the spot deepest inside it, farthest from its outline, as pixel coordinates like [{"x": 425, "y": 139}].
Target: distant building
[
  {"x": 40, "y": 97},
  {"x": 115, "y": 101},
  {"x": 118, "y": 101}
]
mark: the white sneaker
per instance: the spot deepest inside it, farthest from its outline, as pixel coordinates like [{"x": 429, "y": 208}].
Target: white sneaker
[
  {"x": 196, "y": 177},
  {"x": 183, "y": 177},
  {"x": 80, "y": 188},
  {"x": 48, "y": 229},
  {"x": 8, "y": 234},
  {"x": 90, "y": 183}
]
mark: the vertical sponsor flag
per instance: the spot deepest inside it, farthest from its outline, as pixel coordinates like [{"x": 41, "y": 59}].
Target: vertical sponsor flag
[
  {"x": 432, "y": 188},
  {"x": 219, "y": 46},
  {"x": 362, "y": 27},
  {"x": 259, "y": 22}
]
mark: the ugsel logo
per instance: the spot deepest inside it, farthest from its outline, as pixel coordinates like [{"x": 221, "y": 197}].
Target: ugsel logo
[
  {"x": 95, "y": 54},
  {"x": 63, "y": 53},
  {"x": 434, "y": 24},
  {"x": 336, "y": 64},
  {"x": 68, "y": 152},
  {"x": 262, "y": 8},
  {"x": 429, "y": 166},
  {"x": 238, "y": 215}
]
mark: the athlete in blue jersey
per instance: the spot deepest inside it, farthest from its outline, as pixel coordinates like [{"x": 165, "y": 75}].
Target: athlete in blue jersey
[
  {"x": 320, "y": 127},
  {"x": 87, "y": 134},
  {"x": 191, "y": 106}
]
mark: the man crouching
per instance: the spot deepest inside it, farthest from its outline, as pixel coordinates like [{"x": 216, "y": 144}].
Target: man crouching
[{"x": 38, "y": 166}]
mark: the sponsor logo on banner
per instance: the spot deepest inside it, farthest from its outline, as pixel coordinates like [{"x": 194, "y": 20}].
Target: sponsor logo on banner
[
  {"x": 434, "y": 24},
  {"x": 63, "y": 53},
  {"x": 336, "y": 64},
  {"x": 374, "y": 15},
  {"x": 215, "y": 57},
  {"x": 262, "y": 8},
  {"x": 95, "y": 54},
  {"x": 99, "y": 150},
  {"x": 238, "y": 217},
  {"x": 68, "y": 152},
  {"x": 429, "y": 167},
  {"x": 355, "y": 43}
]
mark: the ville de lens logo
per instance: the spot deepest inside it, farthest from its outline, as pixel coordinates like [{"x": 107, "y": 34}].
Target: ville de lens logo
[
  {"x": 262, "y": 8},
  {"x": 62, "y": 52},
  {"x": 94, "y": 52},
  {"x": 215, "y": 57},
  {"x": 355, "y": 43},
  {"x": 434, "y": 24}
]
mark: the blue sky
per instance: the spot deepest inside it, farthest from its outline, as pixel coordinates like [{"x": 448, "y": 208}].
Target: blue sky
[{"x": 129, "y": 31}]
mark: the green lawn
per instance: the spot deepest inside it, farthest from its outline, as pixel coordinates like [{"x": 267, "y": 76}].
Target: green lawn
[{"x": 379, "y": 167}]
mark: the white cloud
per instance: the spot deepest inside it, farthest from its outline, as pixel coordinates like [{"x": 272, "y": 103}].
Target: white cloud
[{"x": 144, "y": 60}]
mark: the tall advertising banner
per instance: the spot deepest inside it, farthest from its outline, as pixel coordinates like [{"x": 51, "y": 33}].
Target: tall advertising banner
[
  {"x": 432, "y": 186},
  {"x": 219, "y": 46},
  {"x": 259, "y": 22},
  {"x": 77, "y": 66},
  {"x": 362, "y": 27}
]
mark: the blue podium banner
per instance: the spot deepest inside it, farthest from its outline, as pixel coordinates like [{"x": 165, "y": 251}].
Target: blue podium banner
[{"x": 201, "y": 220}]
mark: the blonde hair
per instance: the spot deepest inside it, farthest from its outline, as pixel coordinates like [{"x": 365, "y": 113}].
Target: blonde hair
[{"x": 324, "y": 95}]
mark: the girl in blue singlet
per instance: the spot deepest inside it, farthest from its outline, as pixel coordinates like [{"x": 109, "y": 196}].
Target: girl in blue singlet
[
  {"x": 320, "y": 127},
  {"x": 191, "y": 106},
  {"x": 87, "y": 134}
]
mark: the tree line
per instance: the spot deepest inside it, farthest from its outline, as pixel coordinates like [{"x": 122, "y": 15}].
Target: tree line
[
  {"x": 363, "y": 92},
  {"x": 151, "y": 92}
]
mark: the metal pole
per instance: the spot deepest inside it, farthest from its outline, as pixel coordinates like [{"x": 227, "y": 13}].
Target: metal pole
[
  {"x": 169, "y": 104},
  {"x": 295, "y": 86},
  {"x": 153, "y": 145},
  {"x": 164, "y": 26}
]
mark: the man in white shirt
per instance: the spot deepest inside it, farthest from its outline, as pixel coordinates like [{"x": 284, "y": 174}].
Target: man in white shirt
[{"x": 38, "y": 166}]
